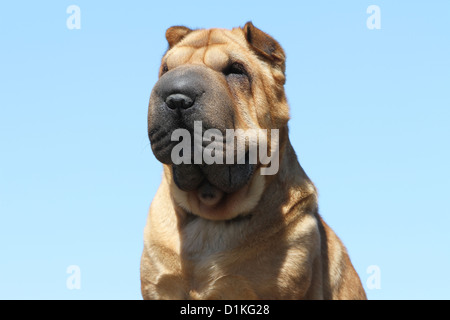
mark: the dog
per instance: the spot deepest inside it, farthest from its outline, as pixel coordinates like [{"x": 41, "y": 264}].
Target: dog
[{"x": 226, "y": 230}]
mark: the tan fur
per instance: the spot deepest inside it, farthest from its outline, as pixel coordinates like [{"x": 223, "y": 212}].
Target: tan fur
[{"x": 265, "y": 241}]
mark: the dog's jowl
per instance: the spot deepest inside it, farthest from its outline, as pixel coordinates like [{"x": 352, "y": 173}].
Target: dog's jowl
[{"x": 233, "y": 225}]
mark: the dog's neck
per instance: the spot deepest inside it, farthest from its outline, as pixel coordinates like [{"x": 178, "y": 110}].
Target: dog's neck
[
  {"x": 291, "y": 172},
  {"x": 202, "y": 237},
  {"x": 289, "y": 179}
]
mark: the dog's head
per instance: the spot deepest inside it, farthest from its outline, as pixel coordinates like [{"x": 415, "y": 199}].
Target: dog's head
[{"x": 211, "y": 81}]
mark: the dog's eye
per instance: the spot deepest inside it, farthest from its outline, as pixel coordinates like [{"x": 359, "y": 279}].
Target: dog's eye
[
  {"x": 235, "y": 68},
  {"x": 164, "y": 69}
]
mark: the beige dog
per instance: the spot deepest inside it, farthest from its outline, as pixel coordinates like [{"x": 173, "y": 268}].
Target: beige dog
[{"x": 226, "y": 231}]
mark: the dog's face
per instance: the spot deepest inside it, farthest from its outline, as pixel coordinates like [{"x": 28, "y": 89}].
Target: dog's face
[{"x": 227, "y": 79}]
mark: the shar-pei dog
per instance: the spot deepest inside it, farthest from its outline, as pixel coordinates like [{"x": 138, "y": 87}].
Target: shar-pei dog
[{"x": 229, "y": 222}]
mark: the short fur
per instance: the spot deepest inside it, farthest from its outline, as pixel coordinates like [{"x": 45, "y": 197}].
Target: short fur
[{"x": 264, "y": 241}]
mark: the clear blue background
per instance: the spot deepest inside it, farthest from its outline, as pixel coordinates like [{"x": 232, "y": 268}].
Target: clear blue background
[{"x": 370, "y": 123}]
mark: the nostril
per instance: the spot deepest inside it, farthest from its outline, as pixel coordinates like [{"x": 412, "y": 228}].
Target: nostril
[{"x": 179, "y": 101}]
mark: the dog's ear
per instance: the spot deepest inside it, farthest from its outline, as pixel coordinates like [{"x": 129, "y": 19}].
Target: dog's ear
[
  {"x": 264, "y": 45},
  {"x": 176, "y": 34}
]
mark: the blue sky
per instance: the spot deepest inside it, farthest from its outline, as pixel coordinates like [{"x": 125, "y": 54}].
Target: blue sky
[{"x": 370, "y": 123}]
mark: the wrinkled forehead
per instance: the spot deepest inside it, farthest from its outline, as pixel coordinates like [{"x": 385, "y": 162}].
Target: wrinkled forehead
[{"x": 215, "y": 48}]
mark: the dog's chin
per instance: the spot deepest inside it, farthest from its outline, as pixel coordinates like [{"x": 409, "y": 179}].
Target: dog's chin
[
  {"x": 212, "y": 183},
  {"x": 226, "y": 178}
]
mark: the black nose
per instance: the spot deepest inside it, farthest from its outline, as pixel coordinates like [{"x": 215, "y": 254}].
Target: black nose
[{"x": 179, "y": 101}]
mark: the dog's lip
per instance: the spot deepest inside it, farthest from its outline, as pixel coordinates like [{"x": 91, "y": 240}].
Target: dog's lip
[
  {"x": 198, "y": 185},
  {"x": 225, "y": 178},
  {"x": 208, "y": 194},
  {"x": 160, "y": 145},
  {"x": 157, "y": 136}
]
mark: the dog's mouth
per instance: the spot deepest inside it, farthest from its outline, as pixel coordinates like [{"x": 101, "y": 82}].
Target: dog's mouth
[
  {"x": 212, "y": 181},
  {"x": 191, "y": 168}
]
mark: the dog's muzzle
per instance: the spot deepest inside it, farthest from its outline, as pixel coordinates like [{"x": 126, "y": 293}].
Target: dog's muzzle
[{"x": 182, "y": 97}]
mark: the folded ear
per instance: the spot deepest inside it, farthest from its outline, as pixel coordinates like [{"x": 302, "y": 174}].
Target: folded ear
[
  {"x": 176, "y": 34},
  {"x": 264, "y": 45}
]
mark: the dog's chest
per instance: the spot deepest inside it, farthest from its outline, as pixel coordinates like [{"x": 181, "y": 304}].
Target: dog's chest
[
  {"x": 215, "y": 259},
  {"x": 201, "y": 239}
]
